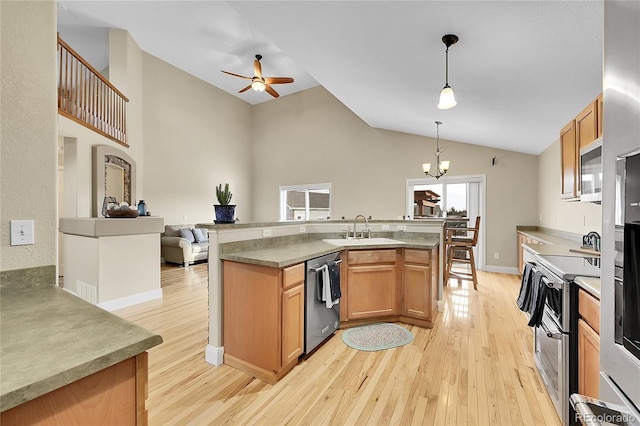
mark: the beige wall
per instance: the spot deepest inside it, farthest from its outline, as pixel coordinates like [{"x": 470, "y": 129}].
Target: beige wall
[
  {"x": 28, "y": 115},
  {"x": 196, "y": 136},
  {"x": 310, "y": 137},
  {"x": 567, "y": 216}
]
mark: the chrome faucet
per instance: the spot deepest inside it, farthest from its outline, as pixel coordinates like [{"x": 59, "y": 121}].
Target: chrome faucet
[{"x": 367, "y": 229}]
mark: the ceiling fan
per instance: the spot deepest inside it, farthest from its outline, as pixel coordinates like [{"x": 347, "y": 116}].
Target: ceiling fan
[{"x": 260, "y": 83}]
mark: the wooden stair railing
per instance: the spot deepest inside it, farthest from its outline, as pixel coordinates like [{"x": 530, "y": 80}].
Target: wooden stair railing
[{"x": 88, "y": 98}]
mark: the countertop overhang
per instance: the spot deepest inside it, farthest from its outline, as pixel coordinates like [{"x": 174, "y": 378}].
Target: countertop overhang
[{"x": 51, "y": 338}]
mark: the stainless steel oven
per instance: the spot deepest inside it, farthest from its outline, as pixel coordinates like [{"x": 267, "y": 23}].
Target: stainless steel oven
[{"x": 554, "y": 341}]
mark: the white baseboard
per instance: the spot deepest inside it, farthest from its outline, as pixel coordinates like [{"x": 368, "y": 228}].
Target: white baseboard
[
  {"x": 502, "y": 269},
  {"x": 440, "y": 305},
  {"x": 214, "y": 355},
  {"x": 134, "y": 299}
]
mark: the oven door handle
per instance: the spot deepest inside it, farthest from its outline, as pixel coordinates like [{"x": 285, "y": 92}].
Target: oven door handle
[
  {"x": 552, "y": 284},
  {"x": 550, "y": 334}
]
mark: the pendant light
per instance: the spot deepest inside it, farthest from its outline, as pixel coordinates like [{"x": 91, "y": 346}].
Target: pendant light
[
  {"x": 447, "y": 97},
  {"x": 442, "y": 166}
]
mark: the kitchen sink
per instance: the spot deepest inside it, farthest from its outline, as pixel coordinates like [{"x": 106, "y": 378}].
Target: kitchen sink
[{"x": 362, "y": 242}]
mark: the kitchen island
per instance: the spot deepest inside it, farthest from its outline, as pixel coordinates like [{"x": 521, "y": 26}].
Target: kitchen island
[
  {"x": 68, "y": 361},
  {"x": 382, "y": 279}
]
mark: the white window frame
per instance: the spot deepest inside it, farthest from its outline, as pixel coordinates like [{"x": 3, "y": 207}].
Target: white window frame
[{"x": 306, "y": 188}]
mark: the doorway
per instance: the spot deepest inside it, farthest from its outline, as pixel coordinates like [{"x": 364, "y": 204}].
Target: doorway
[{"x": 463, "y": 196}]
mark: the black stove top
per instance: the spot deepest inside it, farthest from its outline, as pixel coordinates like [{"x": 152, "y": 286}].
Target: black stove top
[{"x": 570, "y": 267}]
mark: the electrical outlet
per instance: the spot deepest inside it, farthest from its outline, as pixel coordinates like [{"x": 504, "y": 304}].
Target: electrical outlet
[
  {"x": 266, "y": 232},
  {"x": 402, "y": 227},
  {"x": 303, "y": 229},
  {"x": 184, "y": 217},
  {"x": 385, "y": 227},
  {"x": 496, "y": 255},
  {"x": 21, "y": 232}
]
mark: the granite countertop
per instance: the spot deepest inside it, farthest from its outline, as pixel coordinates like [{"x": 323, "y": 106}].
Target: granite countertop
[
  {"x": 592, "y": 285},
  {"x": 549, "y": 237},
  {"x": 559, "y": 250},
  {"x": 51, "y": 338},
  {"x": 287, "y": 255}
]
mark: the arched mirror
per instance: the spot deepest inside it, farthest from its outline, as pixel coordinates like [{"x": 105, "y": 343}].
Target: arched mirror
[{"x": 114, "y": 175}]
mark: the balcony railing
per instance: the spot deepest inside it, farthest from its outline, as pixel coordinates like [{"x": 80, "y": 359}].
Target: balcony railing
[{"x": 88, "y": 98}]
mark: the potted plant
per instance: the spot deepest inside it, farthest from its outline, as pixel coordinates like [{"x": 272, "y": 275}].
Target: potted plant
[{"x": 225, "y": 212}]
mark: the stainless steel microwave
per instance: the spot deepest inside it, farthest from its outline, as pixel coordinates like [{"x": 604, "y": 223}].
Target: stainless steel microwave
[{"x": 591, "y": 172}]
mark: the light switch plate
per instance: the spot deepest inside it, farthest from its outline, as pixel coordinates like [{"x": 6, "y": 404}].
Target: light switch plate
[{"x": 21, "y": 232}]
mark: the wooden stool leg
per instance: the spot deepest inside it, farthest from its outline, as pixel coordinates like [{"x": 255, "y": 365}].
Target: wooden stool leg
[
  {"x": 473, "y": 269},
  {"x": 449, "y": 262}
]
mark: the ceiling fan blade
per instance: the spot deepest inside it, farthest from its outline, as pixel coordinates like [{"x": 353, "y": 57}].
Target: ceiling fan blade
[
  {"x": 245, "y": 89},
  {"x": 278, "y": 80},
  {"x": 236, "y": 75},
  {"x": 257, "y": 68},
  {"x": 271, "y": 91}
]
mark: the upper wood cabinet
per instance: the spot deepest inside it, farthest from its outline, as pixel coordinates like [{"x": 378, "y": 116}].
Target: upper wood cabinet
[
  {"x": 568, "y": 160},
  {"x": 577, "y": 134}
]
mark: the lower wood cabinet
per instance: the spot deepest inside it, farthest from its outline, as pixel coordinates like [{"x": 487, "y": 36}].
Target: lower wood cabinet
[
  {"x": 391, "y": 285},
  {"x": 588, "y": 345},
  {"x": 114, "y": 396},
  {"x": 420, "y": 278},
  {"x": 263, "y": 319},
  {"x": 524, "y": 239},
  {"x": 371, "y": 282}
]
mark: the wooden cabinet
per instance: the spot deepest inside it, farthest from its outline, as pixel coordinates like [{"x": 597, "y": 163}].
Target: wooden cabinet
[
  {"x": 115, "y": 395},
  {"x": 568, "y": 157},
  {"x": 524, "y": 239},
  {"x": 420, "y": 272},
  {"x": 391, "y": 285},
  {"x": 263, "y": 319},
  {"x": 371, "y": 283},
  {"x": 577, "y": 134},
  {"x": 588, "y": 344},
  {"x": 293, "y": 315}
]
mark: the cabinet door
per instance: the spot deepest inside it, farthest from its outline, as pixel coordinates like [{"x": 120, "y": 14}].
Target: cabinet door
[
  {"x": 372, "y": 291},
  {"x": 568, "y": 160},
  {"x": 586, "y": 132},
  {"x": 588, "y": 360},
  {"x": 292, "y": 324},
  {"x": 599, "y": 114},
  {"x": 417, "y": 295}
]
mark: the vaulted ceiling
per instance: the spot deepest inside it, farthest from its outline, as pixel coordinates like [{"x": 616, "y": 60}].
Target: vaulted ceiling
[{"x": 521, "y": 70}]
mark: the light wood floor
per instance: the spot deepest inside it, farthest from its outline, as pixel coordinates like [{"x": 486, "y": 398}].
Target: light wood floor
[{"x": 474, "y": 367}]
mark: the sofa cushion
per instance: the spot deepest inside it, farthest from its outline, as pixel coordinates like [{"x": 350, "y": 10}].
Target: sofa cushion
[
  {"x": 174, "y": 230},
  {"x": 200, "y": 235},
  {"x": 187, "y": 234},
  {"x": 200, "y": 248}
]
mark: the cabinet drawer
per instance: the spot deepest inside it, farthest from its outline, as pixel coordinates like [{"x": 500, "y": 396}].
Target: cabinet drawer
[
  {"x": 292, "y": 275},
  {"x": 589, "y": 309},
  {"x": 417, "y": 256},
  {"x": 360, "y": 257}
]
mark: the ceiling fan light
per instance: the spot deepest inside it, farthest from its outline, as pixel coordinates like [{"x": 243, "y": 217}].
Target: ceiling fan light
[
  {"x": 426, "y": 167},
  {"x": 447, "y": 98},
  {"x": 258, "y": 86}
]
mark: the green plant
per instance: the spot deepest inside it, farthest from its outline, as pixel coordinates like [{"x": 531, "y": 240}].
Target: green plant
[{"x": 224, "y": 196}]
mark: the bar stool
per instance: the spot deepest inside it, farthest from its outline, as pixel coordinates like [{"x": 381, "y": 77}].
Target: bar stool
[{"x": 460, "y": 251}]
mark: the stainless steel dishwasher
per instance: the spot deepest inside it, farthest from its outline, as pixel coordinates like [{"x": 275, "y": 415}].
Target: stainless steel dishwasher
[{"x": 320, "y": 322}]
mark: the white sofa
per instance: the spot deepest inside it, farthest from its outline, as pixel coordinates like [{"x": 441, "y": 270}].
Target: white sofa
[{"x": 179, "y": 245}]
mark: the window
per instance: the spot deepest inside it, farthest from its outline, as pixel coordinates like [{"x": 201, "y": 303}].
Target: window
[{"x": 305, "y": 202}]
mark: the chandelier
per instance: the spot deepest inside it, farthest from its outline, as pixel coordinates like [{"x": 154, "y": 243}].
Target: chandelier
[{"x": 441, "y": 166}]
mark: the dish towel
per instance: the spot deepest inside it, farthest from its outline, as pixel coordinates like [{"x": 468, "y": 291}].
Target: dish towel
[
  {"x": 334, "y": 280},
  {"x": 538, "y": 300},
  {"x": 326, "y": 286},
  {"x": 524, "y": 298}
]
